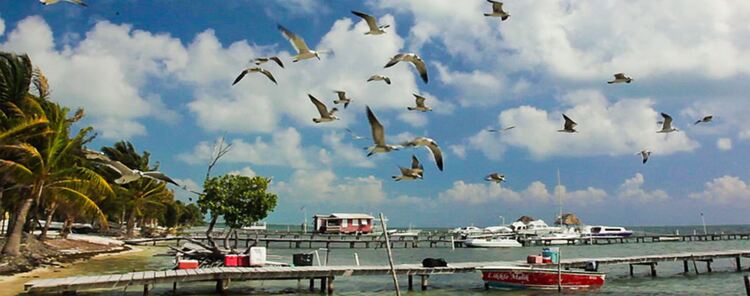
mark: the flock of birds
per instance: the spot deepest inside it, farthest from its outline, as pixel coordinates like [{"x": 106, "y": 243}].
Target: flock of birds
[{"x": 380, "y": 145}]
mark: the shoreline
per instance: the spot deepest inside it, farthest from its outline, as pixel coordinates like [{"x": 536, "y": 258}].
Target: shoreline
[{"x": 16, "y": 281}]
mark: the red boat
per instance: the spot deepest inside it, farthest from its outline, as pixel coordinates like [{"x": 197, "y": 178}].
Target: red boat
[{"x": 539, "y": 278}]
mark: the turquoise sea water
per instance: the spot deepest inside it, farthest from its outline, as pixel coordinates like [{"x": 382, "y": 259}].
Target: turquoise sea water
[{"x": 670, "y": 280}]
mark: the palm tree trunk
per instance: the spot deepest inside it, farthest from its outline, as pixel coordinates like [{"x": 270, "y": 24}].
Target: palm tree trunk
[
  {"x": 131, "y": 224},
  {"x": 12, "y": 245},
  {"x": 66, "y": 227},
  {"x": 47, "y": 223}
]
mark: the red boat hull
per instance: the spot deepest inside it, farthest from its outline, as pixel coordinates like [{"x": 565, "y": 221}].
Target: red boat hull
[{"x": 540, "y": 278}]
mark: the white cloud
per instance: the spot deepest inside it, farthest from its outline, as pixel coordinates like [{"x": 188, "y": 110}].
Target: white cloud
[
  {"x": 324, "y": 186},
  {"x": 605, "y": 128},
  {"x": 631, "y": 191},
  {"x": 186, "y": 195},
  {"x": 724, "y": 144},
  {"x": 590, "y": 40},
  {"x": 2, "y": 27},
  {"x": 458, "y": 150},
  {"x": 415, "y": 119},
  {"x": 724, "y": 190},
  {"x": 536, "y": 192},
  {"x": 284, "y": 149},
  {"x": 257, "y": 105},
  {"x": 103, "y": 73},
  {"x": 302, "y": 7},
  {"x": 245, "y": 171},
  {"x": 476, "y": 87},
  {"x": 346, "y": 153}
]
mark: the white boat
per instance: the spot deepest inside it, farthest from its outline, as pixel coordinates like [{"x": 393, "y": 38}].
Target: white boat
[
  {"x": 605, "y": 231},
  {"x": 536, "y": 227},
  {"x": 468, "y": 230},
  {"x": 561, "y": 238},
  {"x": 408, "y": 232},
  {"x": 498, "y": 229},
  {"x": 492, "y": 242}
]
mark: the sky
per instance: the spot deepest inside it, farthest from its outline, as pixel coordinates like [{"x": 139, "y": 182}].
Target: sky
[{"x": 159, "y": 73}]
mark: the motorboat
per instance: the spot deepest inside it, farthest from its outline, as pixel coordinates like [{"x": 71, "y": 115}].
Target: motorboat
[
  {"x": 539, "y": 278},
  {"x": 561, "y": 238},
  {"x": 466, "y": 231},
  {"x": 492, "y": 242},
  {"x": 536, "y": 227},
  {"x": 606, "y": 231},
  {"x": 498, "y": 229}
]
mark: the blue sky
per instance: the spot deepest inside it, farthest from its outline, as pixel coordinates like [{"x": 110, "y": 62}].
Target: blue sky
[{"x": 159, "y": 73}]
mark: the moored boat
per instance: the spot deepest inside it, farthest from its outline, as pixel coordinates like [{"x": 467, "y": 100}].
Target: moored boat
[
  {"x": 492, "y": 242},
  {"x": 606, "y": 231},
  {"x": 539, "y": 278}
]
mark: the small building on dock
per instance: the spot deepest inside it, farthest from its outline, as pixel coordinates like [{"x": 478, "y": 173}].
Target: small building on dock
[{"x": 343, "y": 223}]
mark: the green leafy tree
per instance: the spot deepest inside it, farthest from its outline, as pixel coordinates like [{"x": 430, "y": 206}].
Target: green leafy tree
[
  {"x": 171, "y": 215},
  {"x": 240, "y": 200}
]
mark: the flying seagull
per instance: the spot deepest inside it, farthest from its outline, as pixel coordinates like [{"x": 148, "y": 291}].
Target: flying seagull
[
  {"x": 50, "y": 2},
  {"x": 259, "y": 61},
  {"x": 378, "y": 136},
  {"x": 127, "y": 174},
  {"x": 706, "y": 119},
  {"x": 420, "y": 104},
  {"x": 431, "y": 145},
  {"x": 569, "y": 126},
  {"x": 342, "y": 98},
  {"x": 412, "y": 58},
  {"x": 303, "y": 52},
  {"x": 378, "y": 78},
  {"x": 666, "y": 126},
  {"x": 415, "y": 172},
  {"x": 497, "y": 10},
  {"x": 644, "y": 154},
  {"x": 372, "y": 23},
  {"x": 255, "y": 70},
  {"x": 620, "y": 78},
  {"x": 492, "y": 130},
  {"x": 355, "y": 136},
  {"x": 325, "y": 115},
  {"x": 495, "y": 177}
]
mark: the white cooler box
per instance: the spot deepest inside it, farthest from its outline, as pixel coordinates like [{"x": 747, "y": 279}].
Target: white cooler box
[{"x": 257, "y": 256}]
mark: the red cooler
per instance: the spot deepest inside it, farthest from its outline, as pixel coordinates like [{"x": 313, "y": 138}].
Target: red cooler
[
  {"x": 187, "y": 264},
  {"x": 244, "y": 260},
  {"x": 231, "y": 260}
]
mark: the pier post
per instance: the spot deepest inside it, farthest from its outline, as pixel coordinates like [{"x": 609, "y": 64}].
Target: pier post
[
  {"x": 312, "y": 284},
  {"x": 708, "y": 265},
  {"x": 738, "y": 262},
  {"x": 411, "y": 282},
  {"x": 631, "y": 269},
  {"x": 323, "y": 284},
  {"x": 330, "y": 285},
  {"x": 747, "y": 285},
  {"x": 222, "y": 285},
  {"x": 425, "y": 282},
  {"x": 145, "y": 290},
  {"x": 653, "y": 269},
  {"x": 685, "y": 266}
]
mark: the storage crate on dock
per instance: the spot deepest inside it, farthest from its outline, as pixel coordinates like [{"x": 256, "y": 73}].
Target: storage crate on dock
[
  {"x": 187, "y": 264},
  {"x": 231, "y": 260},
  {"x": 257, "y": 256},
  {"x": 302, "y": 259}
]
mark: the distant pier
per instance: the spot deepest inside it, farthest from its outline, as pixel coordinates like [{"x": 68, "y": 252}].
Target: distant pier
[
  {"x": 435, "y": 240},
  {"x": 223, "y": 276}
]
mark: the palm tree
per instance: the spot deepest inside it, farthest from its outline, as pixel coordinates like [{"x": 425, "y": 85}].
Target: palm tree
[
  {"x": 144, "y": 198},
  {"x": 45, "y": 165}
]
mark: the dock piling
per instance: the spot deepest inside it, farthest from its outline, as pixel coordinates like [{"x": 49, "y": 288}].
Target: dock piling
[
  {"x": 330, "y": 286},
  {"x": 747, "y": 285},
  {"x": 312, "y": 285},
  {"x": 738, "y": 263},
  {"x": 411, "y": 282},
  {"x": 425, "y": 282}
]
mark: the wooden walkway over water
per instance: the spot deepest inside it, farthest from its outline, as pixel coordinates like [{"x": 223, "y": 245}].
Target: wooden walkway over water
[
  {"x": 298, "y": 240},
  {"x": 326, "y": 274}
]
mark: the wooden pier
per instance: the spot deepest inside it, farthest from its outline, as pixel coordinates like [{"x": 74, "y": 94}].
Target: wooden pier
[
  {"x": 326, "y": 274},
  {"x": 439, "y": 240}
]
